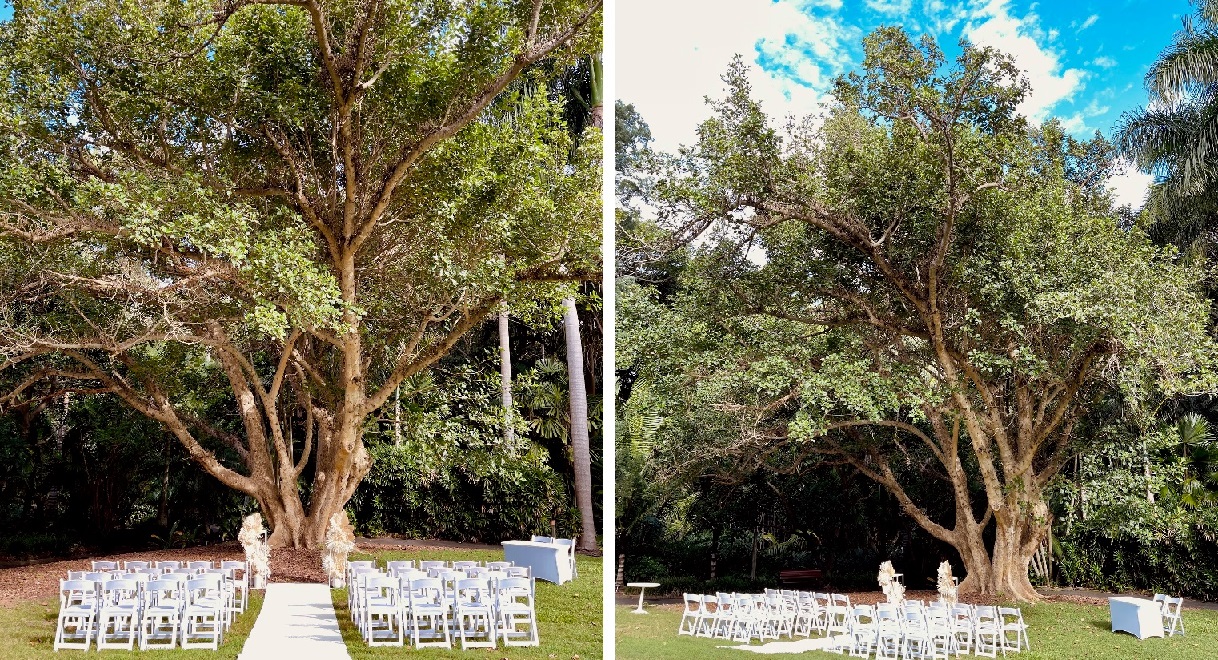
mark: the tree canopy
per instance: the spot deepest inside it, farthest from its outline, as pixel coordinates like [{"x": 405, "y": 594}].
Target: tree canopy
[{"x": 320, "y": 198}]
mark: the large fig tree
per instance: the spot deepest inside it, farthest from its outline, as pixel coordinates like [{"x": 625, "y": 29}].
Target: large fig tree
[
  {"x": 920, "y": 266},
  {"x": 316, "y": 199}
]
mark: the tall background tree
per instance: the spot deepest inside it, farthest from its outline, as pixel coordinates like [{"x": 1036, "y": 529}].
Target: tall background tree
[
  {"x": 1175, "y": 137},
  {"x": 300, "y": 194}
]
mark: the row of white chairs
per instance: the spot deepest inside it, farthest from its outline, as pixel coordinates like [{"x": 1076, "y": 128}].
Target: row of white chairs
[
  {"x": 388, "y": 608},
  {"x": 116, "y": 608},
  {"x": 167, "y": 566},
  {"x": 1171, "y": 608},
  {"x": 911, "y": 629}
]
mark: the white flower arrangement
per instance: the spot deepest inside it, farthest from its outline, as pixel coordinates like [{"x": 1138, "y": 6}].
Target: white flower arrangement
[
  {"x": 340, "y": 541},
  {"x": 947, "y": 585},
  {"x": 257, "y": 551},
  {"x": 894, "y": 590}
]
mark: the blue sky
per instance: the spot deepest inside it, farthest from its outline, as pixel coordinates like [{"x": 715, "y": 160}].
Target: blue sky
[{"x": 1086, "y": 60}]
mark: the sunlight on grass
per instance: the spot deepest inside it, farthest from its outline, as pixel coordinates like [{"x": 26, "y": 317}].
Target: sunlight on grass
[
  {"x": 569, "y": 616},
  {"x": 27, "y": 630},
  {"x": 1057, "y": 630}
]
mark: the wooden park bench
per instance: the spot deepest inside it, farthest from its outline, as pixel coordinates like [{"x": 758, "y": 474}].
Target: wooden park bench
[{"x": 800, "y": 576}]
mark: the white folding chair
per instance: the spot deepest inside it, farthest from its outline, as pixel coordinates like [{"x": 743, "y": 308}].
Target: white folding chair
[
  {"x": 569, "y": 544},
  {"x": 1011, "y": 621},
  {"x": 939, "y": 631},
  {"x": 474, "y": 613},
  {"x": 1172, "y": 609},
  {"x": 915, "y": 634},
  {"x": 393, "y": 568},
  {"x": 724, "y": 616},
  {"x": 104, "y": 566},
  {"x": 119, "y": 614},
  {"x": 227, "y": 589},
  {"x": 355, "y": 583},
  {"x": 837, "y": 616},
  {"x": 162, "y": 614},
  {"x": 987, "y": 631},
  {"x": 241, "y": 583},
  {"x": 515, "y": 607},
  {"x": 864, "y": 631},
  {"x": 78, "y": 603},
  {"x": 203, "y": 614},
  {"x": 382, "y": 611},
  {"x": 962, "y": 629},
  {"x": 889, "y": 636},
  {"x": 133, "y": 566},
  {"x": 689, "y": 616},
  {"x": 429, "y": 613}
]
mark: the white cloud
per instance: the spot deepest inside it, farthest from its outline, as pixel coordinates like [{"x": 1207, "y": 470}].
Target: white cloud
[
  {"x": 942, "y": 18},
  {"x": 666, "y": 73},
  {"x": 1104, "y": 61},
  {"x": 1089, "y": 22},
  {"x": 991, "y": 24},
  {"x": 891, "y": 7},
  {"x": 815, "y": 4},
  {"x": 1074, "y": 124},
  {"x": 1130, "y": 187}
]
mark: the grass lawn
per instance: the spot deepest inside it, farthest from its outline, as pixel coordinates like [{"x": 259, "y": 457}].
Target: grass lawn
[
  {"x": 1056, "y": 630},
  {"x": 27, "y": 631},
  {"x": 569, "y": 616}
]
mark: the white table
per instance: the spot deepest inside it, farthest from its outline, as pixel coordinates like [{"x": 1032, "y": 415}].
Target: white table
[
  {"x": 642, "y": 590},
  {"x": 548, "y": 561},
  {"x": 1139, "y": 617}
]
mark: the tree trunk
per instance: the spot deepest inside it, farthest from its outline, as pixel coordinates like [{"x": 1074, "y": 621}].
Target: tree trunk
[
  {"x": 505, "y": 376},
  {"x": 1003, "y": 570},
  {"x": 397, "y": 416},
  {"x": 162, "y": 513},
  {"x": 579, "y": 427}
]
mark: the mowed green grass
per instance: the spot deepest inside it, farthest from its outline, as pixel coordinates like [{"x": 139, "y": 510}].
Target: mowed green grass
[
  {"x": 27, "y": 632},
  {"x": 569, "y": 616},
  {"x": 1056, "y": 630}
]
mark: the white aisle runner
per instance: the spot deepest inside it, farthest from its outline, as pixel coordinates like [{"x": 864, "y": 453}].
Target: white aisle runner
[{"x": 297, "y": 621}]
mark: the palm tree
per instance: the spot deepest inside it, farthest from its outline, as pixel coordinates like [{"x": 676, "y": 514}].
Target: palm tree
[
  {"x": 505, "y": 376},
  {"x": 1176, "y": 136},
  {"x": 1198, "y": 462},
  {"x": 580, "y": 445}
]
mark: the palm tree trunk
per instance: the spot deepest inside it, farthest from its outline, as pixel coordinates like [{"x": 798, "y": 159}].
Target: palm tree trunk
[
  {"x": 579, "y": 426},
  {"x": 505, "y": 376}
]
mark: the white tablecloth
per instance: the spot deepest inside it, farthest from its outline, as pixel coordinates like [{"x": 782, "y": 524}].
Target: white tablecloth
[
  {"x": 549, "y": 561},
  {"x": 1139, "y": 617}
]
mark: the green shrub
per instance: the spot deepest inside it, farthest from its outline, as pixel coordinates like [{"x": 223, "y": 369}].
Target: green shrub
[{"x": 481, "y": 495}]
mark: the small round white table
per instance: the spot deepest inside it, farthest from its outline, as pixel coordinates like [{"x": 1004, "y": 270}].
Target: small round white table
[{"x": 642, "y": 589}]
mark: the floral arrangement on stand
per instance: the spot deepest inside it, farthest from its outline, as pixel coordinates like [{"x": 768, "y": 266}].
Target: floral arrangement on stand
[
  {"x": 257, "y": 551},
  {"x": 340, "y": 541},
  {"x": 947, "y": 585},
  {"x": 892, "y": 588}
]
